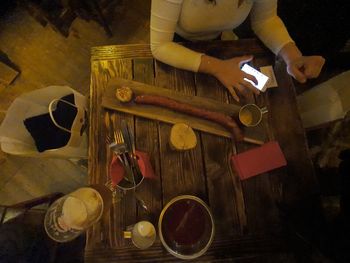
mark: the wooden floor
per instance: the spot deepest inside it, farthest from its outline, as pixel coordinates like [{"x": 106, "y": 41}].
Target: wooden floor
[{"x": 45, "y": 58}]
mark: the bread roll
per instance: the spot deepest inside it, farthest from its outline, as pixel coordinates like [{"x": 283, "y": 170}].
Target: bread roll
[
  {"x": 124, "y": 94},
  {"x": 182, "y": 137}
]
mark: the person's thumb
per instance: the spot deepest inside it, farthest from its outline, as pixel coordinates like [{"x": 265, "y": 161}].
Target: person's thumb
[{"x": 244, "y": 59}]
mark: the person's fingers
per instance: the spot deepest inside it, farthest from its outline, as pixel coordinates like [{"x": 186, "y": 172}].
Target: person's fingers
[
  {"x": 295, "y": 72},
  {"x": 248, "y": 85},
  {"x": 240, "y": 88},
  {"x": 244, "y": 59},
  {"x": 314, "y": 66},
  {"x": 244, "y": 91},
  {"x": 312, "y": 72},
  {"x": 233, "y": 93},
  {"x": 250, "y": 77}
]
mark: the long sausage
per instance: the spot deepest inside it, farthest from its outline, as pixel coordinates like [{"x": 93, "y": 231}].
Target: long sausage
[{"x": 217, "y": 117}]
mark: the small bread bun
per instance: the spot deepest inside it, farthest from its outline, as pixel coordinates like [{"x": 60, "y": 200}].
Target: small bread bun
[
  {"x": 182, "y": 137},
  {"x": 124, "y": 94}
]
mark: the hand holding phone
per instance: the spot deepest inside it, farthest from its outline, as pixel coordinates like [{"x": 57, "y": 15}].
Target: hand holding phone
[{"x": 261, "y": 78}]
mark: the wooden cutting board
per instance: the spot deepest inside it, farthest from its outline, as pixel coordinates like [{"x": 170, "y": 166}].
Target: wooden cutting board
[{"x": 110, "y": 101}]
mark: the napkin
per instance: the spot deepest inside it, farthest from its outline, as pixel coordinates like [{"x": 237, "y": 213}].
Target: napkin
[
  {"x": 117, "y": 171},
  {"x": 258, "y": 160}
]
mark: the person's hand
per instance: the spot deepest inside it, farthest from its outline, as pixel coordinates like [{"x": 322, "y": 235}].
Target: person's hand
[
  {"x": 305, "y": 67},
  {"x": 228, "y": 72},
  {"x": 298, "y": 66}
]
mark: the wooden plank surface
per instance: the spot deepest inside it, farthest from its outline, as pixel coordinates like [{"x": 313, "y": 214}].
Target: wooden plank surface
[
  {"x": 221, "y": 250},
  {"x": 108, "y": 231},
  {"x": 224, "y": 188},
  {"x": 182, "y": 172},
  {"x": 299, "y": 180},
  {"x": 147, "y": 140},
  {"x": 242, "y": 210},
  {"x": 124, "y": 211},
  {"x": 109, "y": 101},
  {"x": 140, "y": 88},
  {"x": 257, "y": 191},
  {"x": 156, "y": 113}
]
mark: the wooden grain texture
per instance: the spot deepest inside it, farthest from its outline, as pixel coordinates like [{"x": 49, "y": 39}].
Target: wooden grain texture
[
  {"x": 161, "y": 114},
  {"x": 182, "y": 172},
  {"x": 109, "y": 101},
  {"x": 299, "y": 181},
  {"x": 121, "y": 52},
  {"x": 221, "y": 250},
  {"x": 258, "y": 195},
  {"x": 246, "y": 215},
  {"x": 147, "y": 141},
  {"x": 124, "y": 211},
  {"x": 113, "y": 223},
  {"x": 224, "y": 188},
  {"x": 140, "y": 88},
  {"x": 266, "y": 128}
]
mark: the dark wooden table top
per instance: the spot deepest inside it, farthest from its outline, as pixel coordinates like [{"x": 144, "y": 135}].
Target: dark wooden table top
[{"x": 246, "y": 214}]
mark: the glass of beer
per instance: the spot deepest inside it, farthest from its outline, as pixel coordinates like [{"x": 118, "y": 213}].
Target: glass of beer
[{"x": 72, "y": 214}]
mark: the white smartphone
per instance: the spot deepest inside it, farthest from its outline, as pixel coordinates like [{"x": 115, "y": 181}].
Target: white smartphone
[{"x": 261, "y": 78}]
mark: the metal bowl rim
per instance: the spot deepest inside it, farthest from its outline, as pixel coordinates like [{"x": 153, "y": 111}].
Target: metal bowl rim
[{"x": 172, "y": 201}]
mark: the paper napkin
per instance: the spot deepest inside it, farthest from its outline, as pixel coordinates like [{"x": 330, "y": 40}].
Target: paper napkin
[
  {"x": 117, "y": 171},
  {"x": 258, "y": 160}
]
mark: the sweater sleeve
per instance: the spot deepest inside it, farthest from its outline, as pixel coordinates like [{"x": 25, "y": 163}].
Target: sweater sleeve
[
  {"x": 268, "y": 26},
  {"x": 164, "y": 18}
]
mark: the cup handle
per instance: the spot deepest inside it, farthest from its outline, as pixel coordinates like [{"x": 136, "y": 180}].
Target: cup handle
[
  {"x": 264, "y": 110},
  {"x": 127, "y": 234}
]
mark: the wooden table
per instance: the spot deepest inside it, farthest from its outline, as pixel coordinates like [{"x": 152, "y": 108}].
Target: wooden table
[{"x": 246, "y": 214}]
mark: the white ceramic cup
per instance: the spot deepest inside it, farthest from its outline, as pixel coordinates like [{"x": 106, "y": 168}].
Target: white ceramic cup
[{"x": 142, "y": 234}]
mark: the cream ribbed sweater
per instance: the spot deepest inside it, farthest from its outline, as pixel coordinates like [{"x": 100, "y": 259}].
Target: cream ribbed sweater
[{"x": 202, "y": 20}]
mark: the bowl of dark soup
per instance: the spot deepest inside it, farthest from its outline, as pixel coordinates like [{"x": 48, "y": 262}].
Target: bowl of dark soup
[{"x": 186, "y": 227}]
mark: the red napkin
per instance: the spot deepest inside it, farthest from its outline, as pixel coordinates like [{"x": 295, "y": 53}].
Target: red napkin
[
  {"x": 117, "y": 171},
  {"x": 258, "y": 160}
]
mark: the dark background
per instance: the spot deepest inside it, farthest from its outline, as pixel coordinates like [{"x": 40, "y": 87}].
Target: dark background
[{"x": 318, "y": 26}]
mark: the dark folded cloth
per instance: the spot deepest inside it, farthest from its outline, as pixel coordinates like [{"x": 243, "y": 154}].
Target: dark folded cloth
[{"x": 45, "y": 133}]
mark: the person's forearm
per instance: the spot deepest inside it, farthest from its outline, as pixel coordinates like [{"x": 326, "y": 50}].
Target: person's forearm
[
  {"x": 208, "y": 65},
  {"x": 290, "y": 52},
  {"x": 177, "y": 56}
]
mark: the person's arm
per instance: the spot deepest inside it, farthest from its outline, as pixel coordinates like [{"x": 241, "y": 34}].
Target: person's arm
[
  {"x": 268, "y": 26},
  {"x": 228, "y": 72},
  {"x": 301, "y": 67},
  {"x": 273, "y": 33},
  {"x": 164, "y": 18}
]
